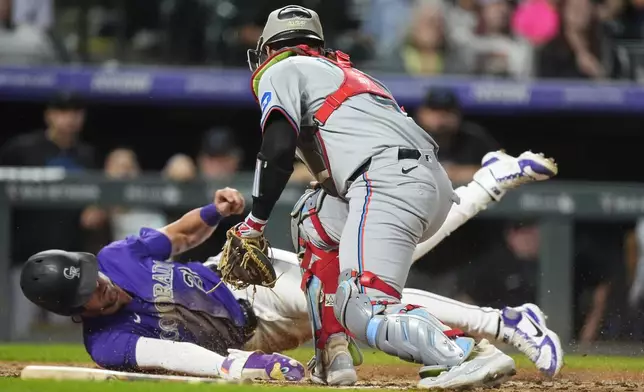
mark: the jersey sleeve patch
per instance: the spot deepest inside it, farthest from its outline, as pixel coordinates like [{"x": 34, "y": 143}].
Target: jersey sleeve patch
[{"x": 266, "y": 100}]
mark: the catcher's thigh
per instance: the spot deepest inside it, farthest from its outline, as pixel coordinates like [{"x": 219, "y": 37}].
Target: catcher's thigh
[
  {"x": 332, "y": 213},
  {"x": 389, "y": 213},
  {"x": 473, "y": 199}
]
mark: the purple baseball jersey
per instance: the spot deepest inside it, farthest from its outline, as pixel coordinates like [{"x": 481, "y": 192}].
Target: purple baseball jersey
[{"x": 169, "y": 301}]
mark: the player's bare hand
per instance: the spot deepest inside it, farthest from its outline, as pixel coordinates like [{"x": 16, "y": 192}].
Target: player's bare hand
[{"x": 229, "y": 202}]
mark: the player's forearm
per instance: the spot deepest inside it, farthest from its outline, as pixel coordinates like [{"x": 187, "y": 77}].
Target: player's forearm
[
  {"x": 592, "y": 323},
  {"x": 274, "y": 165},
  {"x": 192, "y": 229},
  {"x": 177, "y": 357}
]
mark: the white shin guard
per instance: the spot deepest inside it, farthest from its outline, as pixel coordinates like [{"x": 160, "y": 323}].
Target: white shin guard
[{"x": 410, "y": 333}]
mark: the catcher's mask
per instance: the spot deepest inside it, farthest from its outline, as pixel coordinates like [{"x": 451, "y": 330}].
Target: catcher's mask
[
  {"x": 291, "y": 24},
  {"x": 59, "y": 281}
]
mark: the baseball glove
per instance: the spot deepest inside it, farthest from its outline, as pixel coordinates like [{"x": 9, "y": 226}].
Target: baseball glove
[{"x": 245, "y": 261}]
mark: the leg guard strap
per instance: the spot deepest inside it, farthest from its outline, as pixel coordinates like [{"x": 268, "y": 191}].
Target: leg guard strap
[
  {"x": 371, "y": 280},
  {"x": 320, "y": 283}
]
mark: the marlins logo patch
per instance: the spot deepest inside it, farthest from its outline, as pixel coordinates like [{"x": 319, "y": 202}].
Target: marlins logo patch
[
  {"x": 71, "y": 273},
  {"x": 266, "y": 99}
]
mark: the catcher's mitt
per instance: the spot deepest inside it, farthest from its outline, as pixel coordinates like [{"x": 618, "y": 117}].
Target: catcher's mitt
[{"x": 245, "y": 261}]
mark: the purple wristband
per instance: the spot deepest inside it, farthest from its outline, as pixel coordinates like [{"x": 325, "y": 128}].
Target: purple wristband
[{"x": 210, "y": 215}]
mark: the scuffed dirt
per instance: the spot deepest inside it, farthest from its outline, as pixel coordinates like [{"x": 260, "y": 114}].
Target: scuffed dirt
[
  {"x": 525, "y": 380},
  {"x": 404, "y": 377}
]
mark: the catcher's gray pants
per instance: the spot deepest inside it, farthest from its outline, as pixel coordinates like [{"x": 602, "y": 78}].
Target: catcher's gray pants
[{"x": 391, "y": 207}]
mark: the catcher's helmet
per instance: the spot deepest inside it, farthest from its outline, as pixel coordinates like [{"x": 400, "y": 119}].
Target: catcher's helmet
[
  {"x": 290, "y": 23},
  {"x": 59, "y": 281}
]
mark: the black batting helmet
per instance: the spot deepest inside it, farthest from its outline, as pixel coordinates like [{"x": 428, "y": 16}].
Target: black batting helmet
[
  {"x": 287, "y": 24},
  {"x": 59, "y": 281}
]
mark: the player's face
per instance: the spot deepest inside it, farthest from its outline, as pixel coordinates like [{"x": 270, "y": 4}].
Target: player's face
[
  {"x": 107, "y": 298},
  {"x": 66, "y": 122},
  {"x": 438, "y": 122}
]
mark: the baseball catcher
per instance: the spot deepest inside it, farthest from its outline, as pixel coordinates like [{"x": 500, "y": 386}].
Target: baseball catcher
[
  {"x": 364, "y": 150},
  {"x": 524, "y": 327},
  {"x": 283, "y": 317}
]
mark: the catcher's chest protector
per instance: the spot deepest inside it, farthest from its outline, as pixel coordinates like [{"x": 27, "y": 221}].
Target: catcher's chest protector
[
  {"x": 354, "y": 83},
  {"x": 310, "y": 148}
]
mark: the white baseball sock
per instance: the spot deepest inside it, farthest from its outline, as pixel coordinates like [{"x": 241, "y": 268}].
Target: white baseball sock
[{"x": 471, "y": 319}]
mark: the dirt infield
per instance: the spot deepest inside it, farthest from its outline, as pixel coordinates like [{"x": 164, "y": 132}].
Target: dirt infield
[{"x": 404, "y": 376}]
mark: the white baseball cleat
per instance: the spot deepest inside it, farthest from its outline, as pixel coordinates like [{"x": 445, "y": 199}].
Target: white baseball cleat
[
  {"x": 488, "y": 367},
  {"x": 525, "y": 328},
  {"x": 500, "y": 171},
  {"x": 337, "y": 364}
]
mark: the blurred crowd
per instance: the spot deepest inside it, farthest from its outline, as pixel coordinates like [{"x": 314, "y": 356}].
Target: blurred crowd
[{"x": 591, "y": 39}]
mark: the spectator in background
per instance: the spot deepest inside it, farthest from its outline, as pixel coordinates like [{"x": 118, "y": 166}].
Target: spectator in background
[
  {"x": 579, "y": 50},
  {"x": 461, "y": 22},
  {"x": 636, "y": 267},
  {"x": 536, "y": 20},
  {"x": 598, "y": 256},
  {"x": 250, "y": 17},
  {"x": 493, "y": 49},
  {"x": 122, "y": 164},
  {"x": 180, "y": 168},
  {"x": 507, "y": 274},
  {"x": 219, "y": 156},
  {"x": 219, "y": 159},
  {"x": 35, "y": 230},
  {"x": 387, "y": 23},
  {"x": 21, "y": 43},
  {"x": 610, "y": 10},
  {"x": 462, "y": 144},
  {"x": 424, "y": 51},
  {"x": 37, "y": 13},
  {"x": 635, "y": 278}
]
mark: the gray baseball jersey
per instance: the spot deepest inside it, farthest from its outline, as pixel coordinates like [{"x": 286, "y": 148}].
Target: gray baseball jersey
[
  {"x": 397, "y": 202},
  {"x": 359, "y": 129}
]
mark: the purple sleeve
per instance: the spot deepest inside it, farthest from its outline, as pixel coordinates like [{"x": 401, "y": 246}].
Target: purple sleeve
[
  {"x": 113, "y": 350},
  {"x": 157, "y": 244},
  {"x": 149, "y": 243}
]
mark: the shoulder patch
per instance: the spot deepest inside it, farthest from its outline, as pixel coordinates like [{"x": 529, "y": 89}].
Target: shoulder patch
[{"x": 266, "y": 99}]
